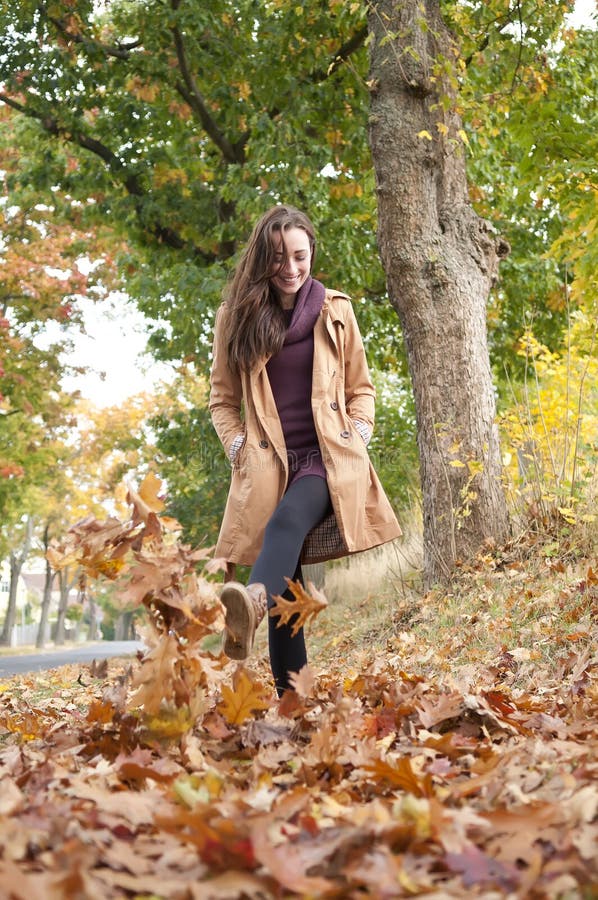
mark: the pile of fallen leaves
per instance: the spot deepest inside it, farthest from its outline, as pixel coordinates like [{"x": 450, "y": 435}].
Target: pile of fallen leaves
[{"x": 186, "y": 777}]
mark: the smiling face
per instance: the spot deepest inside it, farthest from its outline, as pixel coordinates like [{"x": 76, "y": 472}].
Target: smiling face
[{"x": 293, "y": 264}]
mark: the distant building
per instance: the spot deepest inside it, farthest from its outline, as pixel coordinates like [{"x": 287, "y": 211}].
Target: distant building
[
  {"x": 5, "y": 588},
  {"x": 30, "y": 593}
]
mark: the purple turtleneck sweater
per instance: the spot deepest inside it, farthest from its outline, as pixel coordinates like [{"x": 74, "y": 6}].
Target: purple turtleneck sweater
[{"x": 290, "y": 375}]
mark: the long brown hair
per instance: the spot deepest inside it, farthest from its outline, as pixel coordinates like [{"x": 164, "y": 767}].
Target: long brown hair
[{"x": 254, "y": 321}]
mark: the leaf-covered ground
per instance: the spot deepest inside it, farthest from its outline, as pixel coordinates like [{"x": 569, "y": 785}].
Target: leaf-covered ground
[{"x": 404, "y": 768}]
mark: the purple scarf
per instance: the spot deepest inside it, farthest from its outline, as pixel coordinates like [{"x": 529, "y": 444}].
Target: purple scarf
[{"x": 308, "y": 304}]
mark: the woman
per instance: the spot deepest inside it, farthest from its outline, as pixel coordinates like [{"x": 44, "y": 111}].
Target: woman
[{"x": 292, "y": 403}]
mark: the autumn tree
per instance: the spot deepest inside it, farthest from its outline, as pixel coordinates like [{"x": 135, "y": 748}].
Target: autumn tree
[
  {"x": 440, "y": 260},
  {"x": 180, "y": 122},
  {"x": 42, "y": 279},
  {"x": 113, "y": 445}
]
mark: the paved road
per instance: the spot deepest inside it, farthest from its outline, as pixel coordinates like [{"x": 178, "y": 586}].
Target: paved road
[{"x": 51, "y": 659}]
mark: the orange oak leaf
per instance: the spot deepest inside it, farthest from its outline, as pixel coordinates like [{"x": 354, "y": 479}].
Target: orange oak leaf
[
  {"x": 401, "y": 775},
  {"x": 305, "y": 606},
  {"x": 240, "y": 702},
  {"x": 100, "y": 711},
  {"x": 141, "y": 764}
]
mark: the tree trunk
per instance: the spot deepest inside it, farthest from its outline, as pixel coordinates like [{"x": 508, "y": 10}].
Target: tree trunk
[
  {"x": 17, "y": 561},
  {"x": 47, "y": 598},
  {"x": 65, "y": 587},
  {"x": 94, "y": 630},
  {"x": 11, "y": 609},
  {"x": 440, "y": 261},
  {"x": 123, "y": 627}
]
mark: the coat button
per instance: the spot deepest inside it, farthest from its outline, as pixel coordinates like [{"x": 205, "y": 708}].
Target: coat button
[
  {"x": 334, "y": 405},
  {"x": 345, "y": 434},
  {"x": 264, "y": 445}
]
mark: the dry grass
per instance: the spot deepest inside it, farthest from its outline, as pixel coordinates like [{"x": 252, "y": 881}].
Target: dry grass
[{"x": 525, "y": 609}]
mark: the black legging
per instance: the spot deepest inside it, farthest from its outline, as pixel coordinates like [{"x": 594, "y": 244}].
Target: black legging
[{"x": 305, "y": 503}]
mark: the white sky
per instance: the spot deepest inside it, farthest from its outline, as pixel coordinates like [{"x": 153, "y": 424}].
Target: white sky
[
  {"x": 583, "y": 12},
  {"x": 113, "y": 348}
]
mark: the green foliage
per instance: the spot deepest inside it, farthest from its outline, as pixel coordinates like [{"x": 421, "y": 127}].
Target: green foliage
[
  {"x": 192, "y": 461},
  {"x": 177, "y": 123},
  {"x": 185, "y": 121},
  {"x": 528, "y": 99},
  {"x": 393, "y": 448}
]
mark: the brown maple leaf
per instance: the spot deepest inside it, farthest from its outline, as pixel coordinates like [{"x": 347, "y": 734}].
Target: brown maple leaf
[
  {"x": 305, "y": 606},
  {"x": 242, "y": 700}
]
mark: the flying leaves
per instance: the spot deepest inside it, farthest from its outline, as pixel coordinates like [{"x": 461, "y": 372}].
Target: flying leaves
[{"x": 306, "y": 605}]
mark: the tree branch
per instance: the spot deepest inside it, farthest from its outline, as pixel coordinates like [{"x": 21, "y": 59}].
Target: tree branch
[
  {"x": 131, "y": 182},
  {"x": 337, "y": 59},
  {"x": 342, "y": 55},
  {"x": 121, "y": 51},
  {"x": 190, "y": 92},
  {"x": 505, "y": 19}
]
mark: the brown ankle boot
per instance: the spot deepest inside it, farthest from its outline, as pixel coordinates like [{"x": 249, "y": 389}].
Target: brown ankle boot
[{"x": 245, "y": 609}]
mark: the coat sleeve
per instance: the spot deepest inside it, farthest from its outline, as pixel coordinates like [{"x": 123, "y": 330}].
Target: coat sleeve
[
  {"x": 360, "y": 394},
  {"x": 225, "y": 390}
]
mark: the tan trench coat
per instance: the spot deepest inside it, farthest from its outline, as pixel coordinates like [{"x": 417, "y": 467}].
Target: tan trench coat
[{"x": 341, "y": 391}]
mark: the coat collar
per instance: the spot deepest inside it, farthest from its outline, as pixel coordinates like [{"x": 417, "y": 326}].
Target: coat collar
[{"x": 333, "y": 312}]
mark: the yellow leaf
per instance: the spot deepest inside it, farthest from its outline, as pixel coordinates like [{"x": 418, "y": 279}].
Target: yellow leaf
[
  {"x": 241, "y": 702},
  {"x": 424, "y": 134},
  {"x": 457, "y": 464},
  {"x": 442, "y": 128},
  {"x": 463, "y": 136},
  {"x": 148, "y": 492},
  {"x": 475, "y": 466},
  {"x": 171, "y": 723},
  {"x": 192, "y": 790},
  {"x": 568, "y": 514}
]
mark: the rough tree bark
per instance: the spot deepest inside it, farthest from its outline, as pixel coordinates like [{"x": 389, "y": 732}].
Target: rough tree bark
[{"x": 440, "y": 261}]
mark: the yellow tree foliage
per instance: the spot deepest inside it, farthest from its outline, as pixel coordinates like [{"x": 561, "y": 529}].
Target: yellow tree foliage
[{"x": 550, "y": 431}]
